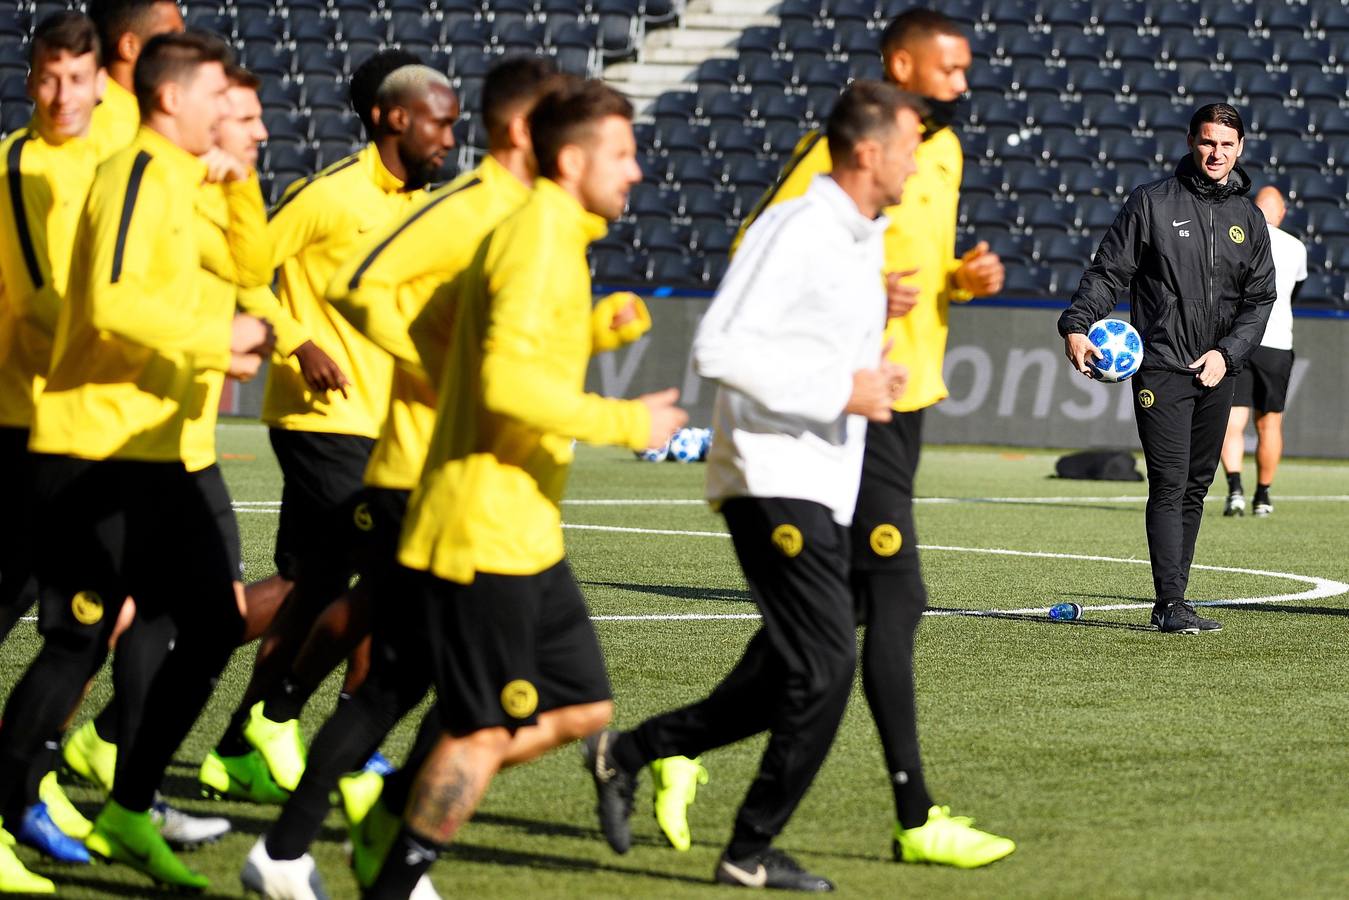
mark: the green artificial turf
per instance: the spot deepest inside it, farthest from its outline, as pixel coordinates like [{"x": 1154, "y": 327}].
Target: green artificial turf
[{"x": 1124, "y": 763}]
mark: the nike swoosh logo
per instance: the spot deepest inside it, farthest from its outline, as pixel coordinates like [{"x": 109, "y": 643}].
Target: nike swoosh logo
[
  {"x": 1175, "y": 224},
  {"x": 246, "y": 785},
  {"x": 756, "y": 879}
]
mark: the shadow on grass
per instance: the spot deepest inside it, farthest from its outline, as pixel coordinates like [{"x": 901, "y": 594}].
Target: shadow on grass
[
  {"x": 1045, "y": 620},
  {"x": 497, "y": 856},
  {"x": 180, "y": 783},
  {"x": 87, "y": 878},
  {"x": 1119, "y": 507},
  {"x": 679, "y": 592},
  {"x": 1276, "y": 608},
  {"x": 556, "y": 829}
]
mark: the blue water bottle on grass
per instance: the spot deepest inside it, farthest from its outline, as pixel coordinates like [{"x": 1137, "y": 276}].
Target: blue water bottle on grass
[{"x": 1065, "y": 612}]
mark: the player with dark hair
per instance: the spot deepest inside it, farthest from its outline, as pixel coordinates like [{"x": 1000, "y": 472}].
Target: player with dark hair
[
  {"x": 517, "y": 665},
  {"x": 91, "y": 750},
  {"x": 124, "y": 27},
  {"x": 45, "y": 172},
  {"x": 381, "y": 290},
  {"x": 793, "y": 339},
  {"x": 1193, "y": 254},
  {"x": 925, "y": 53},
  {"x": 131, "y": 341},
  {"x": 323, "y": 437}
]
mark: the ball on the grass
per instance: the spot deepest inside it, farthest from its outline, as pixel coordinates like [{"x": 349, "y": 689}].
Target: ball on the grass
[
  {"x": 687, "y": 445},
  {"x": 707, "y": 443},
  {"x": 1121, "y": 349}
]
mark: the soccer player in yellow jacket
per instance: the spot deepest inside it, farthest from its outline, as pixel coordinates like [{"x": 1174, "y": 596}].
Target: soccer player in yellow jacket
[
  {"x": 119, "y": 511},
  {"x": 924, "y": 52},
  {"x": 124, "y": 26},
  {"x": 45, "y": 172},
  {"x": 323, "y": 440},
  {"x": 516, "y": 663},
  {"x": 229, "y": 200}
]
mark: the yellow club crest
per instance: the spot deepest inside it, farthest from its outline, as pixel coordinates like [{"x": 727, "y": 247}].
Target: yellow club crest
[
  {"x": 362, "y": 518},
  {"x": 788, "y": 540},
  {"x": 519, "y": 699},
  {"x": 1236, "y": 234},
  {"x": 87, "y": 608},
  {"x": 886, "y": 539},
  {"x": 1146, "y": 398}
]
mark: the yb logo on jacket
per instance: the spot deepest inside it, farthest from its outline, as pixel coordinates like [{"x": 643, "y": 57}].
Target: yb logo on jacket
[
  {"x": 1146, "y": 399},
  {"x": 1236, "y": 234}
]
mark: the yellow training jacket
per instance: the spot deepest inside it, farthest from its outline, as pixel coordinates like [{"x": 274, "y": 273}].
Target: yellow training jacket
[
  {"x": 922, "y": 236},
  {"x": 320, "y": 223},
  {"x": 42, "y": 192},
  {"x": 512, "y": 397},
  {"x": 232, "y": 212},
  {"x": 134, "y": 332},
  {"x": 116, "y": 119},
  {"x": 382, "y": 288}
]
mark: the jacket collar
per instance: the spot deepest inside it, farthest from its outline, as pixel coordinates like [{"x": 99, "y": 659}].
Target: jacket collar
[
  {"x": 569, "y": 209},
  {"x": 385, "y": 180},
  {"x": 181, "y": 163},
  {"x": 498, "y": 178},
  {"x": 845, "y": 211},
  {"x": 1197, "y": 183}
]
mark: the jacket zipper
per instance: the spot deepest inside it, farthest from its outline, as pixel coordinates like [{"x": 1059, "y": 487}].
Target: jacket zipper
[{"x": 1212, "y": 264}]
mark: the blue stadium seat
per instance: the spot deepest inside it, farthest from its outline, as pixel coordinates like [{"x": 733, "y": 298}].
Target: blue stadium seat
[
  {"x": 1012, "y": 13},
  {"x": 1097, "y": 213},
  {"x": 1063, "y": 248},
  {"x": 577, "y": 60},
  {"x": 730, "y": 141},
  {"x": 1017, "y": 43},
  {"x": 1088, "y": 79},
  {"x": 713, "y": 240},
  {"x": 1108, "y": 116},
  {"x": 678, "y": 136},
  {"x": 1333, "y": 123},
  {"x": 468, "y": 35},
  {"x": 335, "y": 126},
  {"x": 691, "y": 169},
  {"x": 1240, "y": 49},
  {"x": 782, "y": 137},
  {"x": 1129, "y": 45},
  {"x": 805, "y": 38},
  {"x": 680, "y": 106},
  {"x": 1067, "y": 15},
  {"x": 289, "y": 155},
  {"x": 674, "y": 269},
  {"x": 616, "y": 267},
  {"x": 776, "y": 107},
  {"x": 1049, "y": 215},
  {"x": 1070, "y": 148},
  {"x": 1285, "y": 21},
  {"x": 411, "y": 25},
  {"x": 1024, "y": 281},
  {"x": 1333, "y": 18},
  {"x": 1266, "y": 86},
  {"x": 648, "y": 200},
  {"x": 286, "y": 126},
  {"x": 617, "y": 28},
  {"x": 1032, "y": 183},
  {"x": 309, "y": 25},
  {"x": 776, "y": 73},
  {"x": 730, "y": 108},
  {"x": 519, "y": 38},
  {"x": 1131, "y": 174},
  {"x": 1163, "y": 114},
  {"x": 662, "y": 234},
  {"x": 995, "y": 214},
  {"x": 1041, "y": 80},
  {"x": 318, "y": 58},
  {"x": 704, "y": 205},
  {"x": 277, "y": 94},
  {"x": 714, "y": 269},
  {"x": 1084, "y": 179},
  {"x": 321, "y": 92},
  {"x": 1144, "y": 81},
  {"x": 744, "y": 171},
  {"x": 718, "y": 71},
  {"x": 1321, "y": 290},
  {"x": 1231, "y": 20}
]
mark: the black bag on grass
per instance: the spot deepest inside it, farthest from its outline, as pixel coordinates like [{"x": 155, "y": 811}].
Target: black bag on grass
[{"x": 1098, "y": 465}]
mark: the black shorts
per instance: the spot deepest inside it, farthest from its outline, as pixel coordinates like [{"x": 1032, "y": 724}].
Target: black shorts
[
  {"x": 322, "y": 479},
  {"x": 110, "y": 529},
  {"x": 378, "y": 518},
  {"x": 18, "y": 590},
  {"x": 883, "y": 533},
  {"x": 507, "y": 647},
  {"x": 1263, "y": 383},
  {"x": 211, "y": 483}
]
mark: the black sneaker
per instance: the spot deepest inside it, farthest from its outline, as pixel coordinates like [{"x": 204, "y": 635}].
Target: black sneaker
[
  {"x": 1263, "y": 507},
  {"x": 1236, "y": 504},
  {"x": 770, "y": 869},
  {"x": 614, "y": 789},
  {"x": 1180, "y": 618}
]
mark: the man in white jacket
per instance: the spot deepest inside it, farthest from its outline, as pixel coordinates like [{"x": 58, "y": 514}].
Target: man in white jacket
[{"x": 794, "y": 340}]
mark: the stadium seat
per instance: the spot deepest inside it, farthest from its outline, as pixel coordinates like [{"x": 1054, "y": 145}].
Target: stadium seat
[
  {"x": 617, "y": 268},
  {"x": 678, "y": 106},
  {"x": 995, "y": 214},
  {"x": 663, "y": 235},
  {"x": 691, "y": 169},
  {"x": 1087, "y": 80},
  {"x": 645, "y": 199},
  {"x": 730, "y": 108},
  {"x": 1033, "y": 182},
  {"x": 703, "y": 204},
  {"x": 1063, "y": 248},
  {"x": 1049, "y": 215},
  {"x": 776, "y": 73},
  {"x": 792, "y": 108},
  {"x": 1128, "y": 45},
  {"x": 1321, "y": 289}
]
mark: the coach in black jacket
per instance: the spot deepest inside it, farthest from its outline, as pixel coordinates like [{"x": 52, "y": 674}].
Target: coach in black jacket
[{"x": 1193, "y": 253}]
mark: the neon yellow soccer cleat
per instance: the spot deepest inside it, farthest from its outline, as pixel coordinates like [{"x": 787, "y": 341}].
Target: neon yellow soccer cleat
[
  {"x": 359, "y": 791},
  {"x": 14, "y": 875},
  {"x": 949, "y": 841},
  {"x": 371, "y": 839},
  {"x": 280, "y": 744},
  {"x": 239, "y": 778},
  {"x": 676, "y": 781},
  {"x": 132, "y": 838},
  {"x": 90, "y": 757},
  {"x": 67, "y": 818}
]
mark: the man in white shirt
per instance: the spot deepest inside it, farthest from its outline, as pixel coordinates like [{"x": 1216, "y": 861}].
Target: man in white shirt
[
  {"x": 1263, "y": 383},
  {"x": 794, "y": 339}
]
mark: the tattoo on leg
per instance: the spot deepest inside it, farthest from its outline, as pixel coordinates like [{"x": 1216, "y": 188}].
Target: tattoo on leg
[{"x": 446, "y": 793}]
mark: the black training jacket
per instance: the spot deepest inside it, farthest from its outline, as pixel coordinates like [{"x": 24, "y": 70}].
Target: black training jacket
[{"x": 1194, "y": 256}]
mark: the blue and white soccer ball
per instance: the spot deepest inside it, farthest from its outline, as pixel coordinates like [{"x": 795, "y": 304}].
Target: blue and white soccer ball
[
  {"x": 707, "y": 442},
  {"x": 687, "y": 445},
  {"x": 659, "y": 454},
  {"x": 1121, "y": 349}
]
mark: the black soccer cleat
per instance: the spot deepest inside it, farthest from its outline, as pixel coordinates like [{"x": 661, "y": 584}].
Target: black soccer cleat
[
  {"x": 1236, "y": 504},
  {"x": 614, "y": 790},
  {"x": 770, "y": 869},
  {"x": 1179, "y": 617}
]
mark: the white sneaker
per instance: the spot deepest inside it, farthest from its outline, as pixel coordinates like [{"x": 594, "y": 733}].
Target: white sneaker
[
  {"x": 281, "y": 879},
  {"x": 423, "y": 890},
  {"x": 183, "y": 831}
]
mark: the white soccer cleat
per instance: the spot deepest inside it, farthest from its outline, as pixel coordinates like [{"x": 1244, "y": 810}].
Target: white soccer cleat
[
  {"x": 281, "y": 879},
  {"x": 423, "y": 890},
  {"x": 186, "y": 831}
]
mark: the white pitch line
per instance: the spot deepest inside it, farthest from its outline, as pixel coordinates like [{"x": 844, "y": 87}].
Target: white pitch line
[
  {"x": 271, "y": 505},
  {"x": 1320, "y": 589}
]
